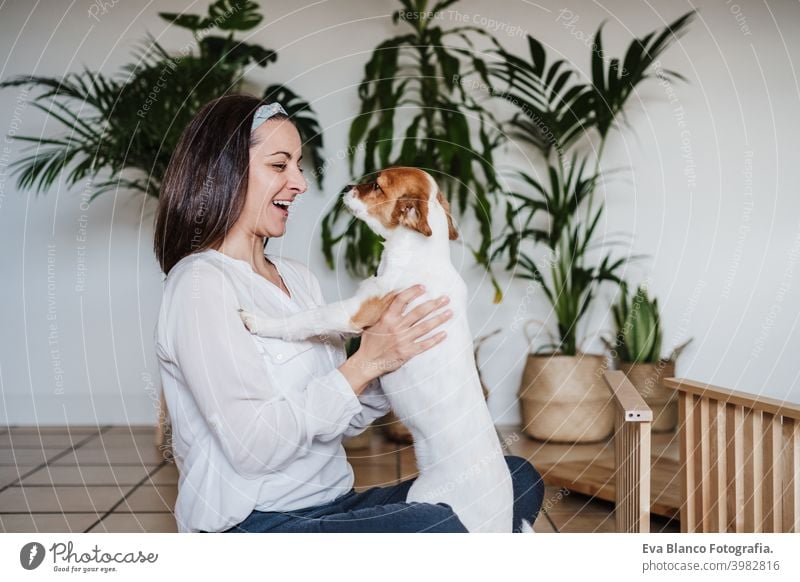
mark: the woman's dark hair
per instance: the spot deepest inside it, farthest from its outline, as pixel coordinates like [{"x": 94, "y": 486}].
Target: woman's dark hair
[{"x": 205, "y": 183}]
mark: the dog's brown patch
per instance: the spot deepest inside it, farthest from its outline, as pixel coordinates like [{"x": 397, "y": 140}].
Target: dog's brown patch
[
  {"x": 398, "y": 197},
  {"x": 411, "y": 211},
  {"x": 452, "y": 233},
  {"x": 371, "y": 310}
]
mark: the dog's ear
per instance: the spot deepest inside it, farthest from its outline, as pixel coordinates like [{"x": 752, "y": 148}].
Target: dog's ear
[
  {"x": 412, "y": 212},
  {"x": 451, "y": 228}
]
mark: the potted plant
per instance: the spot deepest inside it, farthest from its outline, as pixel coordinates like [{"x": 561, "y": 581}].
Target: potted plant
[
  {"x": 416, "y": 111},
  {"x": 561, "y": 395},
  {"x": 637, "y": 352}
]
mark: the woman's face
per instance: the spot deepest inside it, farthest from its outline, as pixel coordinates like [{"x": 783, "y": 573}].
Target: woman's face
[{"x": 275, "y": 175}]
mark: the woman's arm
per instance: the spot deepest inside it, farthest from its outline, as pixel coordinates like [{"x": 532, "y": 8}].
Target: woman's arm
[
  {"x": 260, "y": 430},
  {"x": 374, "y": 405}
]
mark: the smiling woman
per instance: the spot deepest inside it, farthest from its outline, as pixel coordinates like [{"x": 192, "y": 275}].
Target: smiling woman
[
  {"x": 258, "y": 423},
  {"x": 275, "y": 179}
]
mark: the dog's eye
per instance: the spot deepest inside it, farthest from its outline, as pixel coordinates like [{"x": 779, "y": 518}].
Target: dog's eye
[{"x": 375, "y": 187}]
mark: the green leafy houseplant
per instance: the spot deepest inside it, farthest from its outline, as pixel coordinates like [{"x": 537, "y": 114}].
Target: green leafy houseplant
[
  {"x": 569, "y": 280},
  {"x": 556, "y": 110},
  {"x": 638, "y": 329},
  {"x": 561, "y": 396},
  {"x": 638, "y": 337},
  {"x": 415, "y": 111},
  {"x": 133, "y": 122},
  {"x": 637, "y": 351}
]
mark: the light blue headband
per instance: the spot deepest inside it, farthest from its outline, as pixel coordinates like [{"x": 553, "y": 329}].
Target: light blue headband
[{"x": 265, "y": 112}]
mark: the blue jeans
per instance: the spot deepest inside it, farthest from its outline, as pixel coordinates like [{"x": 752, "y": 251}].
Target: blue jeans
[{"x": 385, "y": 509}]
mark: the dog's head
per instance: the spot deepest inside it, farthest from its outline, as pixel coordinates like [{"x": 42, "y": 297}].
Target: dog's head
[{"x": 402, "y": 198}]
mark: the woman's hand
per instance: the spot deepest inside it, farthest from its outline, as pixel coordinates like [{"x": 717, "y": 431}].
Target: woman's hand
[{"x": 391, "y": 342}]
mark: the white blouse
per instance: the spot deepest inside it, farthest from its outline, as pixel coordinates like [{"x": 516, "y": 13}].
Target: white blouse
[{"x": 257, "y": 423}]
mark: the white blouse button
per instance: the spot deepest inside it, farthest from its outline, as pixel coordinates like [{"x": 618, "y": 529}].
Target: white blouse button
[{"x": 278, "y": 356}]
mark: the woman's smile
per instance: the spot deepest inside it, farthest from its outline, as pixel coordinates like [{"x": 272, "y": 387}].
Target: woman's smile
[{"x": 282, "y": 206}]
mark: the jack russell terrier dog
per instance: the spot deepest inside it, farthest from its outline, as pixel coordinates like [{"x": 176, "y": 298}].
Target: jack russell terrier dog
[{"x": 436, "y": 394}]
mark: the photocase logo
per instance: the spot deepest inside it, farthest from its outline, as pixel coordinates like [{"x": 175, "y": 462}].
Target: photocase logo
[{"x": 31, "y": 555}]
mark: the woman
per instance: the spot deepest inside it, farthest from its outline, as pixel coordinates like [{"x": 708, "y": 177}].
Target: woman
[{"x": 257, "y": 423}]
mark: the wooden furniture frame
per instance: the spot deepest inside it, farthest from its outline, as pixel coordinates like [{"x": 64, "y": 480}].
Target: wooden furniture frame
[
  {"x": 631, "y": 455},
  {"x": 740, "y": 459}
]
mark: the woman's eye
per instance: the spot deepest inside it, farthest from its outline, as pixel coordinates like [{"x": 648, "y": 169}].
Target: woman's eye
[{"x": 280, "y": 167}]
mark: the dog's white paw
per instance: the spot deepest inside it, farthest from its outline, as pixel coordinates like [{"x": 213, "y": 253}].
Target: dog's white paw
[
  {"x": 250, "y": 321},
  {"x": 526, "y": 527},
  {"x": 263, "y": 326}
]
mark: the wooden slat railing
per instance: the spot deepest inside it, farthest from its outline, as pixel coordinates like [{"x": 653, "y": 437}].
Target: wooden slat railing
[
  {"x": 740, "y": 459},
  {"x": 631, "y": 455}
]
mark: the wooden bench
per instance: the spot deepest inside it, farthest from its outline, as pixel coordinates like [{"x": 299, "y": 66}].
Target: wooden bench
[{"x": 740, "y": 459}]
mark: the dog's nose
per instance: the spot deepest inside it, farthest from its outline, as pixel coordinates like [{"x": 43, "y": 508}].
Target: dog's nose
[{"x": 348, "y": 188}]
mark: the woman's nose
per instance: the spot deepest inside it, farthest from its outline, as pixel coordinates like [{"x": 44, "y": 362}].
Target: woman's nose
[{"x": 297, "y": 181}]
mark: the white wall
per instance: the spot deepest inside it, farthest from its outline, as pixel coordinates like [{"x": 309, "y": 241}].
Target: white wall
[{"x": 713, "y": 202}]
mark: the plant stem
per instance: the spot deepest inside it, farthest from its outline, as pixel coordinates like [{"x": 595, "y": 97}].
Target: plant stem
[{"x": 600, "y": 148}]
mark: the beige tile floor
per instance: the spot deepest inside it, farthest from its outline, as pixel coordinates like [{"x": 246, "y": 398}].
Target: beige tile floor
[{"x": 113, "y": 479}]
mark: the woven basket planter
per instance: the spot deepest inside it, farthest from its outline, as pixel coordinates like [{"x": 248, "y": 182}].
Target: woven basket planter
[
  {"x": 563, "y": 399},
  {"x": 647, "y": 379}
]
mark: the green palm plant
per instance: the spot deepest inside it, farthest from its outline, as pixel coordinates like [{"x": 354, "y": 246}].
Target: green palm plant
[
  {"x": 416, "y": 111},
  {"x": 556, "y": 110},
  {"x": 567, "y": 275},
  {"x": 133, "y": 121}
]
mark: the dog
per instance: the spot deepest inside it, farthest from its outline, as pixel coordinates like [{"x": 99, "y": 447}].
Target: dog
[{"x": 437, "y": 394}]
